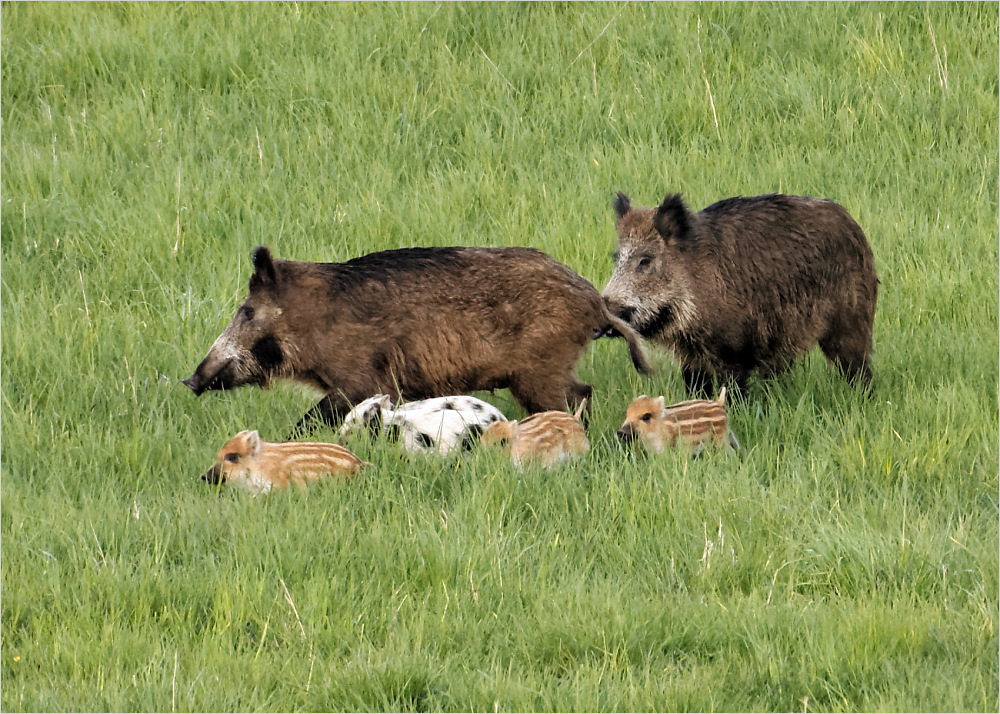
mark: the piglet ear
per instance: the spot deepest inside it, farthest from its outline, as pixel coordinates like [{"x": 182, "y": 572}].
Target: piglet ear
[
  {"x": 661, "y": 405},
  {"x": 264, "y": 274},
  {"x": 621, "y": 205},
  {"x": 672, "y": 220},
  {"x": 253, "y": 442}
]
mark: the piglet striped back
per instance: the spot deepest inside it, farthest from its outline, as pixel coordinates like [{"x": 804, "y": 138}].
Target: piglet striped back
[
  {"x": 546, "y": 437},
  {"x": 307, "y": 460},
  {"x": 699, "y": 419},
  {"x": 694, "y": 423}
]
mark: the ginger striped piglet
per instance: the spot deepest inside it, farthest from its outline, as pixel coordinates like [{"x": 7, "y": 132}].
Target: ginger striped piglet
[
  {"x": 547, "y": 437},
  {"x": 695, "y": 424},
  {"x": 247, "y": 461}
]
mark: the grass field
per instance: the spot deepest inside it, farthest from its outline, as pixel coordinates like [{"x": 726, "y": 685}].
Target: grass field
[{"x": 846, "y": 559}]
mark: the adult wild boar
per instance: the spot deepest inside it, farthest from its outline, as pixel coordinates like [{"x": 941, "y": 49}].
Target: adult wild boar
[
  {"x": 414, "y": 323},
  {"x": 749, "y": 283}
]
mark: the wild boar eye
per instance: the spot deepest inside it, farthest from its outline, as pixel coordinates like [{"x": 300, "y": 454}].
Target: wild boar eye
[
  {"x": 614, "y": 256},
  {"x": 232, "y": 457},
  {"x": 647, "y": 417},
  {"x": 248, "y": 313},
  {"x": 644, "y": 262}
]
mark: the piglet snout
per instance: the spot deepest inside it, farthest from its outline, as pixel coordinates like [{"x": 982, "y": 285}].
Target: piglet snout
[
  {"x": 214, "y": 476},
  {"x": 627, "y": 434}
]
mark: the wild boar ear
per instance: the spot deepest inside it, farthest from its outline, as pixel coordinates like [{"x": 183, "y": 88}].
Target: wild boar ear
[
  {"x": 622, "y": 205},
  {"x": 253, "y": 442},
  {"x": 672, "y": 219},
  {"x": 264, "y": 274}
]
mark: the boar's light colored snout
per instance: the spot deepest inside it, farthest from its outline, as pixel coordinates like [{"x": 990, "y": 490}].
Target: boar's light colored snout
[{"x": 615, "y": 306}]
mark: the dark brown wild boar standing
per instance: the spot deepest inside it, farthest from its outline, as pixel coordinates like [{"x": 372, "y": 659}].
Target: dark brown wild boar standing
[
  {"x": 746, "y": 284},
  {"x": 414, "y": 323}
]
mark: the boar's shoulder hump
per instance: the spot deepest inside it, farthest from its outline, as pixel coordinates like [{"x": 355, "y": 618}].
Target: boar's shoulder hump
[
  {"x": 394, "y": 265},
  {"x": 742, "y": 205}
]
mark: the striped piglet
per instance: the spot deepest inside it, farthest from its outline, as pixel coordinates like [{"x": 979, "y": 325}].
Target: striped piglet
[
  {"x": 546, "y": 437},
  {"x": 247, "y": 461},
  {"x": 694, "y": 423}
]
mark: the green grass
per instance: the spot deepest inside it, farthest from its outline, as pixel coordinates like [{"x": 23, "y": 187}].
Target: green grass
[{"x": 846, "y": 559}]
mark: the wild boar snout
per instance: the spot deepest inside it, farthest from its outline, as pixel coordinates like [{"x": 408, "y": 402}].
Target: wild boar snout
[
  {"x": 196, "y": 383},
  {"x": 249, "y": 350},
  {"x": 615, "y": 305},
  {"x": 625, "y": 312},
  {"x": 210, "y": 375}
]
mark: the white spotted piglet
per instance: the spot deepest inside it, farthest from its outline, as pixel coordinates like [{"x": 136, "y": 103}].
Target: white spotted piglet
[{"x": 441, "y": 424}]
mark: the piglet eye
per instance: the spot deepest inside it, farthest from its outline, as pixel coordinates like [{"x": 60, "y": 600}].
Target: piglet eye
[
  {"x": 232, "y": 457},
  {"x": 647, "y": 417}
]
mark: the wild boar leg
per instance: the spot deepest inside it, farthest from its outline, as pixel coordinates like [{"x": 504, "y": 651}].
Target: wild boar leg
[
  {"x": 330, "y": 411},
  {"x": 543, "y": 393},
  {"x": 740, "y": 377},
  {"x": 576, "y": 394},
  {"x": 853, "y": 363},
  {"x": 848, "y": 345},
  {"x": 698, "y": 382}
]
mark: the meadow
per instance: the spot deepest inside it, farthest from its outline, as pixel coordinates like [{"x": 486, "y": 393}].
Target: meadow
[{"x": 845, "y": 560}]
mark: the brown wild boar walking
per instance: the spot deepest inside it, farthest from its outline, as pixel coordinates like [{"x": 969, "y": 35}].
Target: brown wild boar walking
[
  {"x": 414, "y": 323},
  {"x": 695, "y": 423},
  {"x": 746, "y": 284},
  {"x": 547, "y": 438},
  {"x": 246, "y": 461}
]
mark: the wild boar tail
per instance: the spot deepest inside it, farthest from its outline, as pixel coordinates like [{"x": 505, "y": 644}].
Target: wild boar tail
[{"x": 635, "y": 350}]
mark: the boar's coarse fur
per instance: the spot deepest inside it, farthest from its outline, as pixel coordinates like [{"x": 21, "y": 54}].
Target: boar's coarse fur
[
  {"x": 746, "y": 284},
  {"x": 414, "y": 323}
]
